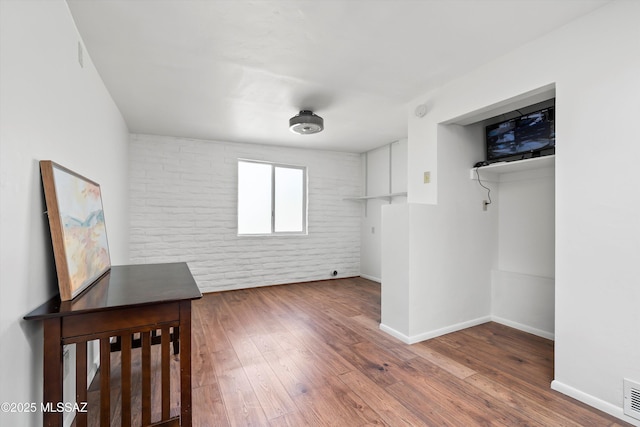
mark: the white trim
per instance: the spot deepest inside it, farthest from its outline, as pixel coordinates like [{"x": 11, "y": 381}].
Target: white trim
[
  {"x": 448, "y": 329},
  {"x": 593, "y": 401},
  {"x": 436, "y": 332},
  {"x": 460, "y": 326},
  {"x": 375, "y": 279},
  {"x": 93, "y": 370},
  {"x": 523, "y": 327},
  {"x": 402, "y": 337}
]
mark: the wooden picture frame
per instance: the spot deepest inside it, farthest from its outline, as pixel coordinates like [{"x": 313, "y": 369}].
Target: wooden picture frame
[{"x": 78, "y": 230}]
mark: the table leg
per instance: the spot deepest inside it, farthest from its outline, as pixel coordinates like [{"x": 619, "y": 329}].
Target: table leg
[
  {"x": 53, "y": 371},
  {"x": 185, "y": 364}
]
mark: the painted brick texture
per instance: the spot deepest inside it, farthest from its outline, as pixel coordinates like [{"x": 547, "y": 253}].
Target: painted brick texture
[{"x": 184, "y": 205}]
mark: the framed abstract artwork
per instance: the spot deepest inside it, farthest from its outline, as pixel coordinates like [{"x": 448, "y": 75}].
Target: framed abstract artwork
[{"x": 78, "y": 230}]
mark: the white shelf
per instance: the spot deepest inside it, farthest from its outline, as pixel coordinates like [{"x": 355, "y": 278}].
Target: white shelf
[
  {"x": 381, "y": 196},
  {"x": 494, "y": 170}
]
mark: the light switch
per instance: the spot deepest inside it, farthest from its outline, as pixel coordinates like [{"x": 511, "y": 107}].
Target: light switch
[{"x": 427, "y": 177}]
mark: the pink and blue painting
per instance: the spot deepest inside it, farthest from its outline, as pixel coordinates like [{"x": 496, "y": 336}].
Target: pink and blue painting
[{"x": 78, "y": 229}]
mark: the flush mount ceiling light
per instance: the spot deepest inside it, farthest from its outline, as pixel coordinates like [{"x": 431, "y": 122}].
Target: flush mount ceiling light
[{"x": 306, "y": 123}]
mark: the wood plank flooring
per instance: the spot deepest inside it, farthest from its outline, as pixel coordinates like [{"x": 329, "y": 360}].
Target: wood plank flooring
[{"x": 312, "y": 354}]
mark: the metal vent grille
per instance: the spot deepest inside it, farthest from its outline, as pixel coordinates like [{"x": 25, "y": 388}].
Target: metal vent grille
[
  {"x": 632, "y": 399},
  {"x": 635, "y": 400}
]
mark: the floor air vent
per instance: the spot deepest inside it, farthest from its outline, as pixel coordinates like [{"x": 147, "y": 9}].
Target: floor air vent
[{"x": 632, "y": 399}]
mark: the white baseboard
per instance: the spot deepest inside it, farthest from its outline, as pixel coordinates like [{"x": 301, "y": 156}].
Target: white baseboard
[
  {"x": 68, "y": 418},
  {"x": 463, "y": 325},
  {"x": 93, "y": 370},
  {"x": 402, "y": 337},
  {"x": 524, "y": 328},
  {"x": 375, "y": 279},
  {"x": 448, "y": 329},
  {"x": 436, "y": 332},
  {"x": 593, "y": 401}
]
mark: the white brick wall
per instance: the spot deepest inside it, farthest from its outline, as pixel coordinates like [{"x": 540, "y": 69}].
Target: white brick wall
[{"x": 184, "y": 205}]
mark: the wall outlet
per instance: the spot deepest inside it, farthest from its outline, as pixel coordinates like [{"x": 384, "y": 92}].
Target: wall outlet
[
  {"x": 485, "y": 204},
  {"x": 373, "y": 230}
]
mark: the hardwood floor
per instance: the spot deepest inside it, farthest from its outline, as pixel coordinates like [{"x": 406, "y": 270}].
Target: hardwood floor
[{"x": 312, "y": 354}]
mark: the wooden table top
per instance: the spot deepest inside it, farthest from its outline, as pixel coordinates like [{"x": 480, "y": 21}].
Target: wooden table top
[{"x": 126, "y": 286}]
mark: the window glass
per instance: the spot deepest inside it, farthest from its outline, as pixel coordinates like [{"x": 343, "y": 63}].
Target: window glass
[
  {"x": 271, "y": 198},
  {"x": 289, "y": 199},
  {"x": 254, "y": 198}
]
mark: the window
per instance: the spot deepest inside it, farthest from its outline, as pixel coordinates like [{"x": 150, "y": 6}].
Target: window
[{"x": 272, "y": 198}]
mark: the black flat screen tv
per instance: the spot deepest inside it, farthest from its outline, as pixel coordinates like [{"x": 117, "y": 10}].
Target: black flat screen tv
[{"x": 529, "y": 135}]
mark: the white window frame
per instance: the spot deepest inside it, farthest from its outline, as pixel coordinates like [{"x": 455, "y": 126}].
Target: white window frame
[{"x": 305, "y": 184}]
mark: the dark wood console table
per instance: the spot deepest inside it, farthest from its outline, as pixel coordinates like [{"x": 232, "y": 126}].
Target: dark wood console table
[{"x": 127, "y": 300}]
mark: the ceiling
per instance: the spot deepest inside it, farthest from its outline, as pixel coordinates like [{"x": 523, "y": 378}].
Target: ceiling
[{"x": 231, "y": 70}]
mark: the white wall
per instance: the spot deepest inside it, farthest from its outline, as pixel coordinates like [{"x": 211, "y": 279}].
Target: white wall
[
  {"x": 594, "y": 69},
  {"x": 526, "y": 228},
  {"x": 386, "y": 172},
  {"x": 184, "y": 207},
  {"x": 523, "y": 283},
  {"x": 50, "y": 108},
  {"x": 396, "y": 266},
  {"x": 449, "y": 273}
]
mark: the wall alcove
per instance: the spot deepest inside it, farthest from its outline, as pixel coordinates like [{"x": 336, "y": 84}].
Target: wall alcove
[
  {"x": 523, "y": 192},
  {"x": 447, "y": 263}
]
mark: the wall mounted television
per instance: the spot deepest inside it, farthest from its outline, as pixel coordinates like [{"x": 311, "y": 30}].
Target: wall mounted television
[{"x": 530, "y": 135}]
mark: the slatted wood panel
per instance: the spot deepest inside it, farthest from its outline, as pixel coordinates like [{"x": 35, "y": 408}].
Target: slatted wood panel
[
  {"x": 105, "y": 382},
  {"x": 146, "y": 378},
  {"x": 134, "y": 386},
  {"x": 81, "y": 381},
  {"x": 312, "y": 354}
]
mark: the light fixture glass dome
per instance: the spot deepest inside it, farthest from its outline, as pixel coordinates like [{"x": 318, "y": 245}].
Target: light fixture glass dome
[{"x": 306, "y": 123}]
